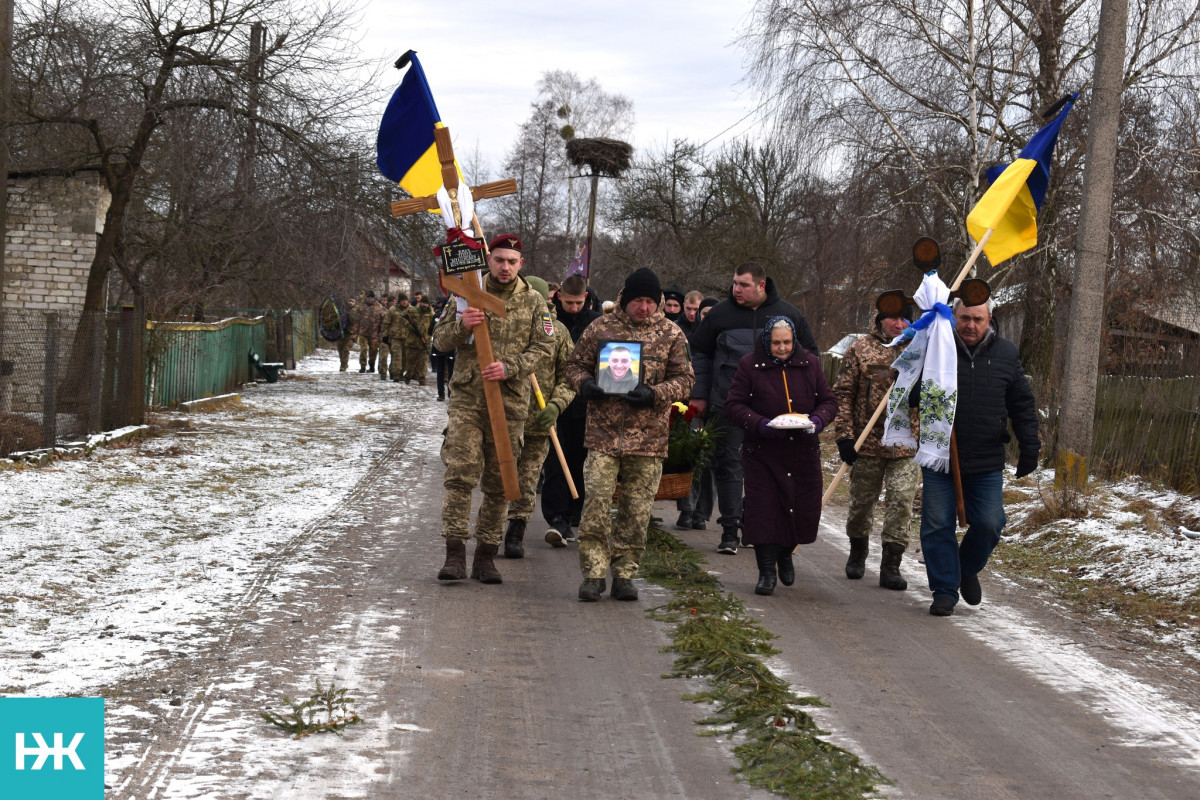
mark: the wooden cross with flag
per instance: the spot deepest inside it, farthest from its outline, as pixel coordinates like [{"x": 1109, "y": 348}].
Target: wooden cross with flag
[{"x": 418, "y": 155}]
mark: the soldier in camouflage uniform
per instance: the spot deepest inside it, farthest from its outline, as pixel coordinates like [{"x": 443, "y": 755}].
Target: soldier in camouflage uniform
[
  {"x": 626, "y": 434},
  {"x": 393, "y": 335},
  {"x": 865, "y": 378},
  {"x": 520, "y": 344},
  {"x": 552, "y": 378},
  {"x": 416, "y": 341},
  {"x": 369, "y": 326}
]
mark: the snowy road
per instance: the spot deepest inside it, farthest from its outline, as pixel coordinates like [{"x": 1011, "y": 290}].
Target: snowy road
[{"x": 197, "y": 577}]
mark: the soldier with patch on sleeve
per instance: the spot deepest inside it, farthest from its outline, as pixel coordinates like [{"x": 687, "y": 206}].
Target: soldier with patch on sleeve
[{"x": 520, "y": 344}]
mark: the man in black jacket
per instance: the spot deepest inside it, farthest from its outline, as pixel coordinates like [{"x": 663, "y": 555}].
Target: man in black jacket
[
  {"x": 992, "y": 391},
  {"x": 726, "y": 334},
  {"x": 576, "y": 312}
]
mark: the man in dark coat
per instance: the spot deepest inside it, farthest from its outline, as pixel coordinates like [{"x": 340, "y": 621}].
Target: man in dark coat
[
  {"x": 992, "y": 390},
  {"x": 725, "y": 335},
  {"x": 575, "y": 311}
]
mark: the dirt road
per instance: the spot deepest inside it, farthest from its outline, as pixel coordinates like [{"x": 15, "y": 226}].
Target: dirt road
[{"x": 519, "y": 690}]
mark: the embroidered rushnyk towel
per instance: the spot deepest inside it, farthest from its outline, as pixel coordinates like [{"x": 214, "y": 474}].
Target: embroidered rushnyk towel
[{"x": 928, "y": 365}]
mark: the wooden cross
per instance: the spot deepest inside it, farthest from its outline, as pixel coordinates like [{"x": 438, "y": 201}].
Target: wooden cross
[{"x": 471, "y": 288}]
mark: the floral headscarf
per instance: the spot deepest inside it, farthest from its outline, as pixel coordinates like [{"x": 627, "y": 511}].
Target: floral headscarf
[{"x": 772, "y": 323}]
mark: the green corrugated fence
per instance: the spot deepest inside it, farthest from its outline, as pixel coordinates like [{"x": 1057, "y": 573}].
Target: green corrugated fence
[{"x": 192, "y": 360}]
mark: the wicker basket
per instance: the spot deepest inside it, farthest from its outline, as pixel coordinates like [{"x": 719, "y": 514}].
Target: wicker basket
[
  {"x": 674, "y": 485},
  {"x": 671, "y": 486}
]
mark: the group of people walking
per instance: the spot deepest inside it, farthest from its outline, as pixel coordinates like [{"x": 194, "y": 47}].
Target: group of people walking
[
  {"x": 393, "y": 335},
  {"x": 750, "y": 366}
]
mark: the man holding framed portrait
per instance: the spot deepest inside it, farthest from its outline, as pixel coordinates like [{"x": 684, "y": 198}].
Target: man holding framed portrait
[{"x": 637, "y": 347}]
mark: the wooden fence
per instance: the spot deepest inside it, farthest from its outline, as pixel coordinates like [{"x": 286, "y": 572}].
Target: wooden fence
[{"x": 1143, "y": 426}]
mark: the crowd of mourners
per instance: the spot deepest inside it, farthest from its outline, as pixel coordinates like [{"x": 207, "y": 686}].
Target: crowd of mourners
[{"x": 746, "y": 365}]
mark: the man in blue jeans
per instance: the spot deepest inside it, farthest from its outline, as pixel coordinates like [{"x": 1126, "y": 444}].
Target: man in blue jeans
[{"x": 992, "y": 391}]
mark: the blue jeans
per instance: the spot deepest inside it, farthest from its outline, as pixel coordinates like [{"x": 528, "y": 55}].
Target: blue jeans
[{"x": 946, "y": 561}]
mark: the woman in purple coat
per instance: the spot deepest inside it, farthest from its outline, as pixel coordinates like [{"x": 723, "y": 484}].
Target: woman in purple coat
[{"x": 782, "y": 466}]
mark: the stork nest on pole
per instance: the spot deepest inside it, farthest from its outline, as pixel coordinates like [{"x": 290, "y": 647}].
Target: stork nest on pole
[{"x": 605, "y": 157}]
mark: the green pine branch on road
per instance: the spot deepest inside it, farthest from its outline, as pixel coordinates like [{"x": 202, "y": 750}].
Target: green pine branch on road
[{"x": 779, "y": 747}]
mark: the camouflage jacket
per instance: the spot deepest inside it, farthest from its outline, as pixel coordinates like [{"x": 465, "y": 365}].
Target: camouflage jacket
[
  {"x": 614, "y": 426},
  {"x": 552, "y": 377},
  {"x": 519, "y": 341},
  {"x": 416, "y": 327},
  {"x": 368, "y": 320},
  {"x": 865, "y": 379},
  {"x": 394, "y": 324}
]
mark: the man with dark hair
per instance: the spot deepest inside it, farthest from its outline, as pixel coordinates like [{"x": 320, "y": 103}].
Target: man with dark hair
[
  {"x": 558, "y": 507},
  {"x": 520, "y": 343},
  {"x": 992, "y": 390},
  {"x": 726, "y": 334}
]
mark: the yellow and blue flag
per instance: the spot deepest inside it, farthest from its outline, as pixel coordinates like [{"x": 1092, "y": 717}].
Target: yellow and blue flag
[
  {"x": 1010, "y": 206},
  {"x": 405, "y": 150}
]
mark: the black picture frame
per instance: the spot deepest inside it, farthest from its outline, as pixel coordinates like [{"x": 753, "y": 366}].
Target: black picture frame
[{"x": 627, "y": 374}]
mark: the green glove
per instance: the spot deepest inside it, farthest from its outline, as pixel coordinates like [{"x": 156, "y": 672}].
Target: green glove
[{"x": 547, "y": 416}]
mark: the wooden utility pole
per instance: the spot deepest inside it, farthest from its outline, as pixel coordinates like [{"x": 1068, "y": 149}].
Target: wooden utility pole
[{"x": 1078, "y": 410}]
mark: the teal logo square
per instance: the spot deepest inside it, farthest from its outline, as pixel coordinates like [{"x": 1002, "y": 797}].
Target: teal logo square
[{"x": 52, "y": 748}]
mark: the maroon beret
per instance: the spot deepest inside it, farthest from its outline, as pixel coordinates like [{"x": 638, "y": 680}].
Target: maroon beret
[{"x": 508, "y": 241}]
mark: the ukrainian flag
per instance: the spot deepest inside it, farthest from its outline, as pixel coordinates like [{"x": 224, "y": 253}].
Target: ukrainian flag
[
  {"x": 406, "y": 153},
  {"x": 1010, "y": 205}
]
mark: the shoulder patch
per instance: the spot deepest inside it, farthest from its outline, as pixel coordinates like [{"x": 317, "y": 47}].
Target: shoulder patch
[{"x": 547, "y": 324}]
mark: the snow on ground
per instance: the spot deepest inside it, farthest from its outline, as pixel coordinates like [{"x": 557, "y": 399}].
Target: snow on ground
[{"x": 117, "y": 562}]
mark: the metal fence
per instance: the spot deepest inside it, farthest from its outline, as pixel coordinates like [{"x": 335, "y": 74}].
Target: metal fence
[
  {"x": 64, "y": 375},
  {"x": 191, "y": 360}
]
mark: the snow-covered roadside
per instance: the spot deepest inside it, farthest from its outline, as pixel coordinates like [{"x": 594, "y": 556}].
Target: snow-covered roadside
[{"x": 117, "y": 562}]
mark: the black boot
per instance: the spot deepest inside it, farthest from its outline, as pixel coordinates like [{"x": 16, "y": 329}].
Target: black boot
[
  {"x": 889, "y": 567},
  {"x": 513, "y": 538},
  {"x": 856, "y": 565},
  {"x": 765, "y": 555},
  {"x": 787, "y": 570}
]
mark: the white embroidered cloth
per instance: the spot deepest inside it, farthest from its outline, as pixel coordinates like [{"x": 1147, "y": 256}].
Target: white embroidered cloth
[{"x": 929, "y": 365}]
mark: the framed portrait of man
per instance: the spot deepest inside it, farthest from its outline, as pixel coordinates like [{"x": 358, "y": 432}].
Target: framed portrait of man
[{"x": 619, "y": 366}]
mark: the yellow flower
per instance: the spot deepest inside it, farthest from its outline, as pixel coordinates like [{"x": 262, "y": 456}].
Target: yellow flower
[{"x": 681, "y": 406}]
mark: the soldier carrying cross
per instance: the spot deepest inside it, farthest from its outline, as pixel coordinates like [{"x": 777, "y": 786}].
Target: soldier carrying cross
[{"x": 519, "y": 343}]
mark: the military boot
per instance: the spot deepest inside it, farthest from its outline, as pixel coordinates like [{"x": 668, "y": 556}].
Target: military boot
[
  {"x": 455, "y": 568},
  {"x": 889, "y": 567},
  {"x": 483, "y": 568},
  {"x": 513, "y": 538},
  {"x": 591, "y": 589},
  {"x": 856, "y": 565},
  {"x": 623, "y": 589}
]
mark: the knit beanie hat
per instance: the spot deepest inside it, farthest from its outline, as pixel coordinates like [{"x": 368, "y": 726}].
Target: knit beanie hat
[{"x": 641, "y": 283}]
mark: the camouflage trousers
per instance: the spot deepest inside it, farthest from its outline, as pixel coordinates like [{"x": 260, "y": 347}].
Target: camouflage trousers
[
  {"x": 470, "y": 458},
  {"x": 899, "y": 478},
  {"x": 529, "y": 467},
  {"x": 396, "y": 367},
  {"x": 367, "y": 352},
  {"x": 343, "y": 346},
  {"x": 416, "y": 362},
  {"x": 603, "y": 543},
  {"x": 383, "y": 356}
]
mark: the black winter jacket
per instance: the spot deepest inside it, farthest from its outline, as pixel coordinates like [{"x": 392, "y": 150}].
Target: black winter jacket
[
  {"x": 729, "y": 332},
  {"x": 992, "y": 391},
  {"x": 576, "y": 324}
]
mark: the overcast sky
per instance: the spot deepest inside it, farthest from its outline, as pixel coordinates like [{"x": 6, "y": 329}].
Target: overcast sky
[{"x": 675, "y": 59}]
